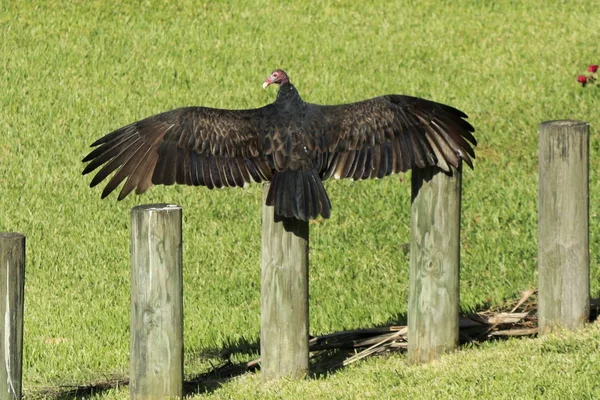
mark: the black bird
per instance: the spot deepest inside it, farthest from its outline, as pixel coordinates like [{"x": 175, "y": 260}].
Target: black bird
[{"x": 293, "y": 144}]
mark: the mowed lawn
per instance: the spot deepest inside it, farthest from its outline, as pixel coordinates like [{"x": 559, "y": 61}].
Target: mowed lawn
[{"x": 72, "y": 71}]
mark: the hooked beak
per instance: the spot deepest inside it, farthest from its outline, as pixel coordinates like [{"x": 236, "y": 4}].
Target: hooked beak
[{"x": 267, "y": 83}]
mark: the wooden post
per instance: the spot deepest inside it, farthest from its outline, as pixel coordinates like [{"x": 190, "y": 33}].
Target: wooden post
[
  {"x": 283, "y": 297},
  {"x": 433, "y": 301},
  {"x": 156, "y": 344},
  {"x": 563, "y": 213},
  {"x": 12, "y": 279}
]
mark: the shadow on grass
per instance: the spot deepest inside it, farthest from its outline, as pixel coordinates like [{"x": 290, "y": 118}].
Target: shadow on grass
[
  {"x": 202, "y": 383},
  {"x": 88, "y": 391},
  {"x": 323, "y": 363}
]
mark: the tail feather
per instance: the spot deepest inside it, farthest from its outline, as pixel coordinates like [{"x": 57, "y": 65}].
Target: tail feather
[
  {"x": 298, "y": 194},
  {"x": 308, "y": 199}
]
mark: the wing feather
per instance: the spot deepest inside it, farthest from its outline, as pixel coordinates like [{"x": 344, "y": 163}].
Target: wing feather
[
  {"x": 134, "y": 181},
  {"x": 389, "y": 134},
  {"x": 192, "y": 146}
]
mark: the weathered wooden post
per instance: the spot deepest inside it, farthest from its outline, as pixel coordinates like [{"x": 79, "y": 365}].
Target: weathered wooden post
[
  {"x": 284, "y": 297},
  {"x": 433, "y": 301},
  {"x": 12, "y": 279},
  {"x": 563, "y": 212},
  {"x": 156, "y": 344}
]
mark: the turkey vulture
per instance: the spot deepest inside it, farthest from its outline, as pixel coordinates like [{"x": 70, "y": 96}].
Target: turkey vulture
[{"x": 292, "y": 144}]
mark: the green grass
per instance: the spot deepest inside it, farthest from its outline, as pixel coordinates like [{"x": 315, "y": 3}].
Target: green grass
[{"x": 71, "y": 72}]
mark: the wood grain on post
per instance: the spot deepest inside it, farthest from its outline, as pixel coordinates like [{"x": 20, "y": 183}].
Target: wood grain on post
[
  {"x": 433, "y": 303},
  {"x": 284, "y": 296},
  {"x": 12, "y": 279},
  {"x": 563, "y": 213},
  {"x": 156, "y": 344}
]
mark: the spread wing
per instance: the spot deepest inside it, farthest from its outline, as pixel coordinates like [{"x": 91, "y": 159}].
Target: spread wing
[
  {"x": 192, "y": 146},
  {"x": 389, "y": 134}
]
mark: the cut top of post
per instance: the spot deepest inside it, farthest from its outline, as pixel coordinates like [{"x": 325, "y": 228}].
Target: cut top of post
[
  {"x": 11, "y": 235},
  {"x": 156, "y": 207},
  {"x": 563, "y": 123}
]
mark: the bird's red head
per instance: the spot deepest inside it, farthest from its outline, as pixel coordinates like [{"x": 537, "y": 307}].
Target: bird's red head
[{"x": 279, "y": 77}]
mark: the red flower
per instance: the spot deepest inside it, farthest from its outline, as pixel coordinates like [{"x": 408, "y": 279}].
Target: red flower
[
  {"x": 582, "y": 79},
  {"x": 593, "y": 69}
]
